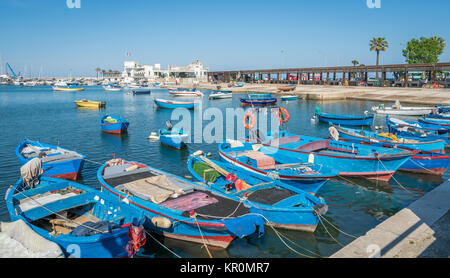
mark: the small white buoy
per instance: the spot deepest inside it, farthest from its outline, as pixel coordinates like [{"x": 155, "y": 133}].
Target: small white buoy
[
  {"x": 209, "y": 154},
  {"x": 153, "y": 136},
  {"x": 126, "y": 201},
  {"x": 96, "y": 198}
]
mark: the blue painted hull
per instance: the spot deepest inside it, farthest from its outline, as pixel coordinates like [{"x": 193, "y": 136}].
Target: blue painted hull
[
  {"x": 166, "y": 104},
  {"x": 285, "y": 214},
  {"x": 141, "y": 92},
  {"x": 345, "y": 120},
  {"x": 309, "y": 181},
  {"x": 69, "y": 169},
  {"x": 214, "y": 232},
  {"x": 106, "y": 245},
  {"x": 174, "y": 139},
  {"x": 438, "y": 123},
  {"x": 121, "y": 126},
  {"x": 350, "y": 160},
  {"x": 427, "y": 163},
  {"x": 258, "y": 101},
  {"x": 437, "y": 146}
]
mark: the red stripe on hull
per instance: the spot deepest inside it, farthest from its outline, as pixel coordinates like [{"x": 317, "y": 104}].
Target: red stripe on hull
[
  {"x": 214, "y": 241},
  {"x": 68, "y": 176},
  {"x": 115, "y": 131}
]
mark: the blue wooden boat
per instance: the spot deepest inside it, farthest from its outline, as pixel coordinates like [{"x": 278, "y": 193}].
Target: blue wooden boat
[
  {"x": 427, "y": 163},
  {"x": 350, "y": 160},
  {"x": 389, "y": 139},
  {"x": 170, "y": 104},
  {"x": 288, "y": 98},
  {"x": 346, "y": 120},
  {"x": 423, "y": 126},
  {"x": 409, "y": 131},
  {"x": 84, "y": 222},
  {"x": 442, "y": 116},
  {"x": 141, "y": 91},
  {"x": 221, "y": 95},
  {"x": 306, "y": 176},
  {"x": 57, "y": 162},
  {"x": 443, "y": 108},
  {"x": 259, "y": 99},
  {"x": 282, "y": 205},
  {"x": 178, "y": 208},
  {"x": 438, "y": 123},
  {"x": 113, "y": 124},
  {"x": 173, "y": 137}
]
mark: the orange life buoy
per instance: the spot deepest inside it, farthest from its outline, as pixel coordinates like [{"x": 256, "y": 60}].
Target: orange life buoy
[
  {"x": 249, "y": 124},
  {"x": 285, "y": 117}
]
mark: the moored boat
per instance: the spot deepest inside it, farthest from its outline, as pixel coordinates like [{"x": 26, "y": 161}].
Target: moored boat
[
  {"x": 171, "y": 104},
  {"x": 176, "y": 207},
  {"x": 186, "y": 93},
  {"x": 89, "y": 103},
  {"x": 346, "y": 120},
  {"x": 259, "y": 99},
  {"x": 349, "y": 159},
  {"x": 263, "y": 161},
  {"x": 141, "y": 91},
  {"x": 84, "y": 222},
  {"x": 112, "y": 88},
  {"x": 287, "y": 98},
  {"x": 67, "y": 87},
  {"x": 221, "y": 95},
  {"x": 388, "y": 139},
  {"x": 113, "y": 124},
  {"x": 173, "y": 137},
  {"x": 56, "y": 161},
  {"x": 287, "y": 88},
  {"x": 398, "y": 109},
  {"x": 282, "y": 205}
]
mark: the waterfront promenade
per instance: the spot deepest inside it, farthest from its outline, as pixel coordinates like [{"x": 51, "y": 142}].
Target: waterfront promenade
[
  {"x": 418, "y": 231},
  {"x": 320, "y": 92}
]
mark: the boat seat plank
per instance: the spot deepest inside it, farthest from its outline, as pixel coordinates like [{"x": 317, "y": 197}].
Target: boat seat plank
[
  {"x": 40, "y": 190},
  {"x": 61, "y": 205}
]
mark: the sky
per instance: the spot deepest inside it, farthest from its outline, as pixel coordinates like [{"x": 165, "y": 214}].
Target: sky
[{"x": 48, "y": 37}]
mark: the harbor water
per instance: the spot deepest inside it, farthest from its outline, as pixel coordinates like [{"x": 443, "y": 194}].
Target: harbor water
[{"x": 355, "y": 205}]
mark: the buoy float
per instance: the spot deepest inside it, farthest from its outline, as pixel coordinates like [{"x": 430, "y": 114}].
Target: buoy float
[
  {"x": 283, "y": 118},
  {"x": 161, "y": 222},
  {"x": 249, "y": 124}
]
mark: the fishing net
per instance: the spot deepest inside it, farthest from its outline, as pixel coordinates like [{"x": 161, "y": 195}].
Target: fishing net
[{"x": 206, "y": 172}]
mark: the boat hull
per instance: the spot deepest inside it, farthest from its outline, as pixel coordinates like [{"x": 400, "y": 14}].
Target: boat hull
[
  {"x": 167, "y": 104},
  {"x": 68, "y": 170},
  {"x": 346, "y": 121},
  {"x": 215, "y": 233},
  {"x": 258, "y": 101},
  {"x": 61, "y": 89},
  {"x": 369, "y": 167},
  {"x": 174, "y": 141},
  {"x": 107, "y": 245},
  {"x": 432, "y": 164}
]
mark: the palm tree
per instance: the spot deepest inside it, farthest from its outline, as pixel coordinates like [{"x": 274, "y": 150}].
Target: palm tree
[
  {"x": 98, "y": 70},
  {"x": 355, "y": 63},
  {"x": 378, "y": 44}
]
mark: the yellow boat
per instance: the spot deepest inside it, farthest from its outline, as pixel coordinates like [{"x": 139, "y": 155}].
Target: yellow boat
[
  {"x": 68, "y": 89},
  {"x": 89, "y": 103}
]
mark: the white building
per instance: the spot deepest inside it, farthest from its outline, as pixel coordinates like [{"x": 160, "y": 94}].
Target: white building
[{"x": 192, "y": 72}]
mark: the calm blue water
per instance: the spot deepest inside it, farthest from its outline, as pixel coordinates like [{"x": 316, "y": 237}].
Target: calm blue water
[{"x": 355, "y": 206}]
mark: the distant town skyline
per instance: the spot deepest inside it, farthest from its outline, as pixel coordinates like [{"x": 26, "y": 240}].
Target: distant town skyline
[{"x": 47, "y": 37}]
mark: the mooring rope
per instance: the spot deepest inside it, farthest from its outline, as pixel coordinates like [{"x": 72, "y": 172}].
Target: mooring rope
[
  {"x": 203, "y": 239},
  {"x": 347, "y": 234},
  {"x": 63, "y": 217},
  {"x": 410, "y": 192}
]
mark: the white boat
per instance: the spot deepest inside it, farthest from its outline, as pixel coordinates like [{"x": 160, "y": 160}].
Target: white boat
[
  {"x": 29, "y": 84},
  {"x": 186, "y": 94},
  {"x": 398, "y": 109},
  {"x": 112, "y": 88},
  {"x": 220, "y": 95}
]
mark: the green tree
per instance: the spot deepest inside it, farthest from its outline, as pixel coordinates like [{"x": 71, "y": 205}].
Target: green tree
[
  {"x": 378, "y": 45},
  {"x": 424, "y": 50},
  {"x": 355, "y": 63}
]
